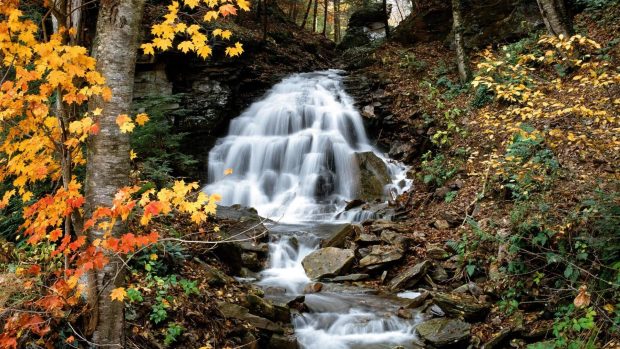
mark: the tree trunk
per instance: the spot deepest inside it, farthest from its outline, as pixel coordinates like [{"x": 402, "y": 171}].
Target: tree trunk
[
  {"x": 316, "y": 8},
  {"x": 387, "y": 18},
  {"x": 116, "y": 47},
  {"x": 303, "y": 23},
  {"x": 556, "y": 17},
  {"x": 265, "y": 20},
  {"x": 337, "y": 21},
  {"x": 325, "y": 18},
  {"x": 461, "y": 56}
]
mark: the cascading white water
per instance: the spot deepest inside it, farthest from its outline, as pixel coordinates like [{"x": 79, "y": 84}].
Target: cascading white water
[{"x": 292, "y": 156}]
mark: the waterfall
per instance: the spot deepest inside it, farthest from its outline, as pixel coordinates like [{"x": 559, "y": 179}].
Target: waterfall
[
  {"x": 292, "y": 154},
  {"x": 294, "y": 158}
]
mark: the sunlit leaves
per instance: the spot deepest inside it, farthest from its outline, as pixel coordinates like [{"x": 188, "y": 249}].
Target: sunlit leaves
[{"x": 194, "y": 37}]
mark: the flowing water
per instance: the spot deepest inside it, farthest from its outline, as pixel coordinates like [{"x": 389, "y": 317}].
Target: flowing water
[{"x": 293, "y": 158}]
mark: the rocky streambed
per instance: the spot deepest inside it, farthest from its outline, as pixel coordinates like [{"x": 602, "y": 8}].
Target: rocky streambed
[{"x": 346, "y": 286}]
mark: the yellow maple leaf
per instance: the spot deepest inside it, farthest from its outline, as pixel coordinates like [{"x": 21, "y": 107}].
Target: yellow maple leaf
[
  {"x": 142, "y": 119},
  {"x": 226, "y": 34},
  {"x": 124, "y": 122},
  {"x": 204, "y": 52},
  {"x": 210, "y": 15},
  {"x": 244, "y": 5},
  {"x": 191, "y": 3},
  {"x": 236, "y": 50},
  {"x": 228, "y": 171},
  {"x": 132, "y": 154},
  {"x": 148, "y": 49},
  {"x": 216, "y": 32},
  {"x": 118, "y": 294},
  {"x": 186, "y": 46}
]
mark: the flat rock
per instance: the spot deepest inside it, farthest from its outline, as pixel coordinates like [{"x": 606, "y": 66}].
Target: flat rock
[
  {"x": 461, "y": 305},
  {"x": 381, "y": 255},
  {"x": 444, "y": 332},
  {"x": 367, "y": 238},
  {"x": 441, "y": 224},
  {"x": 328, "y": 262},
  {"x": 278, "y": 341},
  {"x": 409, "y": 277},
  {"x": 338, "y": 236},
  {"x": 437, "y": 252},
  {"x": 396, "y": 239},
  {"x": 350, "y": 277}
]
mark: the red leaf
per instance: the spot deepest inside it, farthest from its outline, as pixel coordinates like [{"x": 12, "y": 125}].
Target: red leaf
[{"x": 55, "y": 234}]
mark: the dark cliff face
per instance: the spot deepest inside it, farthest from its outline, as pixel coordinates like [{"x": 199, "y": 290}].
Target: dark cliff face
[
  {"x": 486, "y": 22},
  {"x": 210, "y": 93}
]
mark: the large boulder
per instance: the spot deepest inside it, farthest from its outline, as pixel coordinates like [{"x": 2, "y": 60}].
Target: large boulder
[
  {"x": 374, "y": 176},
  {"x": 444, "y": 332},
  {"x": 381, "y": 255},
  {"x": 365, "y": 26},
  {"x": 338, "y": 236},
  {"x": 328, "y": 262},
  {"x": 485, "y": 22}
]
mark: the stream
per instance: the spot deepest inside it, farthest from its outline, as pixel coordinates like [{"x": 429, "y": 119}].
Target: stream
[{"x": 293, "y": 156}]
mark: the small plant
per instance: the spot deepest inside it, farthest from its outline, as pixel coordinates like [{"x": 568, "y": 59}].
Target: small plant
[
  {"x": 189, "y": 287},
  {"x": 172, "y": 333},
  {"x": 436, "y": 171}
]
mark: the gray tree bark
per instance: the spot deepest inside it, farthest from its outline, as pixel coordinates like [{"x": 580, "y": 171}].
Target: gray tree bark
[
  {"x": 556, "y": 17},
  {"x": 116, "y": 47},
  {"x": 462, "y": 61}
]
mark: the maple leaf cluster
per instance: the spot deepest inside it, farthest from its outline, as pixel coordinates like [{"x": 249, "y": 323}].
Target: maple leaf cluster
[{"x": 194, "y": 37}]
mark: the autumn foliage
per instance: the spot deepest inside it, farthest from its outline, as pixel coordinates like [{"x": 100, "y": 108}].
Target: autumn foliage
[{"x": 46, "y": 84}]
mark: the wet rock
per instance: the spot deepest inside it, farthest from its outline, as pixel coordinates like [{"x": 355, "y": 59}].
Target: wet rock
[
  {"x": 265, "y": 308},
  {"x": 328, "y": 262},
  {"x": 409, "y": 277},
  {"x": 469, "y": 287},
  {"x": 435, "y": 310},
  {"x": 234, "y": 311},
  {"x": 338, "y": 236},
  {"x": 283, "y": 342},
  {"x": 298, "y": 304},
  {"x": 441, "y": 224},
  {"x": 444, "y": 332},
  {"x": 396, "y": 239},
  {"x": 313, "y": 287},
  {"x": 353, "y": 204},
  {"x": 404, "y": 313},
  {"x": 381, "y": 255},
  {"x": 436, "y": 252},
  {"x": 461, "y": 305},
  {"x": 350, "y": 277},
  {"x": 497, "y": 338},
  {"x": 374, "y": 176},
  {"x": 214, "y": 276},
  {"x": 368, "y": 111}
]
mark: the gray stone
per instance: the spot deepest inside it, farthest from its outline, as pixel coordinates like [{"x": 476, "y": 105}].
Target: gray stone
[
  {"x": 439, "y": 274},
  {"x": 419, "y": 300},
  {"x": 250, "y": 261},
  {"x": 409, "y": 277},
  {"x": 328, "y": 262},
  {"x": 380, "y": 255},
  {"x": 444, "y": 332},
  {"x": 265, "y": 308},
  {"x": 368, "y": 238}
]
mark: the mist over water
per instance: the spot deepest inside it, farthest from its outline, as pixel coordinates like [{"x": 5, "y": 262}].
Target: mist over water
[{"x": 293, "y": 158}]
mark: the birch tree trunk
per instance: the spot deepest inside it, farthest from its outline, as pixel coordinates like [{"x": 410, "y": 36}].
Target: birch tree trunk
[
  {"x": 461, "y": 56},
  {"x": 116, "y": 45},
  {"x": 556, "y": 17}
]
